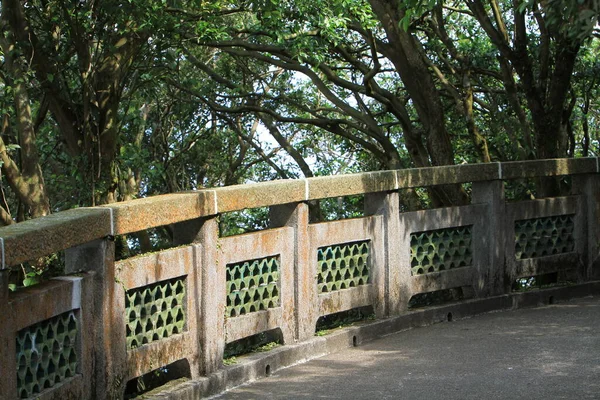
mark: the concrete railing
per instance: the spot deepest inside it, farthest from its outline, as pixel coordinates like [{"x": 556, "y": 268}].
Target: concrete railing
[{"x": 108, "y": 322}]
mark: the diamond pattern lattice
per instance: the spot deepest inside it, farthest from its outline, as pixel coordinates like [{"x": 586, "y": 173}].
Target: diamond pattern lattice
[
  {"x": 343, "y": 266},
  {"x": 155, "y": 311},
  {"x": 440, "y": 250},
  {"x": 252, "y": 285},
  {"x": 539, "y": 237},
  {"x": 46, "y": 354}
]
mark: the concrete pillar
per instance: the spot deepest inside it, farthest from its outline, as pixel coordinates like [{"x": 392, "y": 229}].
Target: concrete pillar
[
  {"x": 3, "y": 287},
  {"x": 204, "y": 232},
  {"x": 106, "y": 316},
  {"x": 490, "y": 239},
  {"x": 296, "y": 215},
  {"x": 212, "y": 313},
  {"x": 588, "y": 186},
  {"x": 211, "y": 279},
  {"x": 8, "y": 362},
  {"x": 8, "y": 381},
  {"x": 397, "y": 273}
]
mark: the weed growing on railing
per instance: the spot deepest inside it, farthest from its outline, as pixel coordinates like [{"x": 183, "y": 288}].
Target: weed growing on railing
[
  {"x": 267, "y": 347},
  {"x": 32, "y": 278},
  {"x": 146, "y": 381},
  {"x": 261, "y": 349},
  {"x": 174, "y": 372},
  {"x": 261, "y": 342},
  {"x": 230, "y": 361},
  {"x": 332, "y": 322},
  {"x": 32, "y": 273},
  {"x": 437, "y": 297},
  {"x": 118, "y": 280},
  {"x": 325, "y": 332},
  {"x": 540, "y": 282}
]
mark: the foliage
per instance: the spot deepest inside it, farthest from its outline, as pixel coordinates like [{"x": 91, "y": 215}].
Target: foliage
[
  {"x": 436, "y": 298},
  {"x": 342, "y": 207},
  {"x": 539, "y": 282},
  {"x": 328, "y": 323},
  {"x": 265, "y": 341},
  {"x": 109, "y": 101},
  {"x": 246, "y": 221},
  {"x": 32, "y": 273}
]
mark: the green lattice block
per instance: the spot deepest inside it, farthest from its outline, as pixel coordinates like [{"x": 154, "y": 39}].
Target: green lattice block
[
  {"x": 46, "y": 354},
  {"x": 343, "y": 266},
  {"x": 252, "y": 285},
  {"x": 155, "y": 311},
  {"x": 440, "y": 250},
  {"x": 539, "y": 237}
]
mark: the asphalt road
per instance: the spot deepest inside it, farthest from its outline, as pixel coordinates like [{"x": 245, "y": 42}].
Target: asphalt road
[{"x": 551, "y": 352}]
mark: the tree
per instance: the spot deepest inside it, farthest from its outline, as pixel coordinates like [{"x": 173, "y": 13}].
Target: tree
[
  {"x": 18, "y": 151},
  {"x": 399, "y": 78},
  {"x": 81, "y": 57},
  {"x": 136, "y": 98}
]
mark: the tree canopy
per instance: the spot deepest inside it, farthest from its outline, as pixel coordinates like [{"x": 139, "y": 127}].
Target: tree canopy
[{"x": 108, "y": 101}]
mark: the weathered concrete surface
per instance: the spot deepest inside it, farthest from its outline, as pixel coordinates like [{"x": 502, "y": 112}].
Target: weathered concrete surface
[
  {"x": 278, "y": 242},
  {"x": 42, "y": 236},
  {"x": 430, "y": 176},
  {"x": 551, "y": 352},
  {"x": 239, "y": 197},
  {"x": 345, "y": 185},
  {"x": 552, "y": 167},
  {"x": 39, "y": 237},
  {"x": 149, "y": 212}
]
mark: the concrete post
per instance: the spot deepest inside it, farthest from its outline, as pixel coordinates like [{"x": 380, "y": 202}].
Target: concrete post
[
  {"x": 8, "y": 384},
  {"x": 305, "y": 288},
  {"x": 211, "y": 313},
  {"x": 3, "y": 287},
  {"x": 491, "y": 238},
  {"x": 588, "y": 186},
  {"x": 106, "y": 315},
  {"x": 397, "y": 275},
  {"x": 214, "y": 304}
]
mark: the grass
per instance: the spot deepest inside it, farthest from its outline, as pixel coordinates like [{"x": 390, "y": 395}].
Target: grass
[
  {"x": 232, "y": 360},
  {"x": 330, "y": 323}
]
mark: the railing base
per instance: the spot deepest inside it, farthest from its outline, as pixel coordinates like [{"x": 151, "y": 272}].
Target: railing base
[{"x": 260, "y": 365}]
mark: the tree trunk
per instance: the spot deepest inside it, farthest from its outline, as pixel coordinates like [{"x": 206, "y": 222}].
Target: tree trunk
[
  {"x": 417, "y": 79},
  {"x": 27, "y": 182}
]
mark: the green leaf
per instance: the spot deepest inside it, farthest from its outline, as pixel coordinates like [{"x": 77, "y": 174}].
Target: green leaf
[{"x": 34, "y": 280}]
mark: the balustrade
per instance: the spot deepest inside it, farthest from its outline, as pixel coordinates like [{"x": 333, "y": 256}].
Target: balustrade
[{"x": 107, "y": 322}]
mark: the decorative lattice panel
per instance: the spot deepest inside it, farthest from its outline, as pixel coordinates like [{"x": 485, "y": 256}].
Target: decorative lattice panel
[
  {"x": 343, "y": 266},
  {"x": 252, "y": 286},
  {"x": 539, "y": 237},
  {"x": 46, "y": 354},
  {"x": 440, "y": 250},
  {"x": 155, "y": 311}
]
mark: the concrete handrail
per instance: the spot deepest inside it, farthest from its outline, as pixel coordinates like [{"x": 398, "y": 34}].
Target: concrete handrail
[{"x": 39, "y": 237}]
